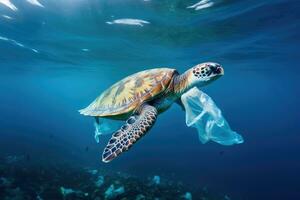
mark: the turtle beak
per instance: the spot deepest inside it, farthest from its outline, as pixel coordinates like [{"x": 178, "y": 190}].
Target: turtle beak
[{"x": 218, "y": 70}]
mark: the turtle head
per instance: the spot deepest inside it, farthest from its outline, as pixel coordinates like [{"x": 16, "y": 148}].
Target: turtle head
[{"x": 203, "y": 74}]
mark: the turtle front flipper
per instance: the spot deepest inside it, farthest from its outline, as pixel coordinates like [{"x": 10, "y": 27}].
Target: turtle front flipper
[{"x": 136, "y": 127}]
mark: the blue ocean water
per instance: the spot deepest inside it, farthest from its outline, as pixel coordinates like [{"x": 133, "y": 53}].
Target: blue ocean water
[{"x": 58, "y": 56}]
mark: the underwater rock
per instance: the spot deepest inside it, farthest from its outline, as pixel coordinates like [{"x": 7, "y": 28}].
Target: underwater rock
[
  {"x": 203, "y": 114},
  {"x": 111, "y": 192},
  {"x": 187, "y": 196},
  {"x": 100, "y": 181}
]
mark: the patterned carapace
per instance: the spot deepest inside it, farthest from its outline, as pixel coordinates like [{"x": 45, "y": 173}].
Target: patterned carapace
[{"x": 129, "y": 93}]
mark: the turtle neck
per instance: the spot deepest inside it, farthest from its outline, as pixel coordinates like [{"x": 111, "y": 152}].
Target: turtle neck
[{"x": 181, "y": 83}]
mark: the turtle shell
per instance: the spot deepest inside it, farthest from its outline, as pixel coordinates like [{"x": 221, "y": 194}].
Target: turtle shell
[{"x": 126, "y": 95}]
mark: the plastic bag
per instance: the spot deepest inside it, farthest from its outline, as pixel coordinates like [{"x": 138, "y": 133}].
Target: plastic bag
[
  {"x": 203, "y": 114},
  {"x": 106, "y": 126}
]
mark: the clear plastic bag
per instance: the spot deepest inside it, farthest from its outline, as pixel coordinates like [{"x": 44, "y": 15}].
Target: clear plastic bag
[
  {"x": 203, "y": 114},
  {"x": 106, "y": 127}
]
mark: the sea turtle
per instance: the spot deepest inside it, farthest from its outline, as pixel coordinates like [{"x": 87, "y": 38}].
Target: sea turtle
[{"x": 141, "y": 97}]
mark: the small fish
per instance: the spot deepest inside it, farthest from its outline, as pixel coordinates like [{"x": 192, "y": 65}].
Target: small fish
[
  {"x": 7, "y": 17},
  {"x": 127, "y": 21},
  {"x": 35, "y": 3},
  {"x": 9, "y": 4},
  {"x": 201, "y": 5}
]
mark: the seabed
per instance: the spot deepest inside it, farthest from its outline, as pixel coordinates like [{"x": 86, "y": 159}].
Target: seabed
[{"x": 21, "y": 180}]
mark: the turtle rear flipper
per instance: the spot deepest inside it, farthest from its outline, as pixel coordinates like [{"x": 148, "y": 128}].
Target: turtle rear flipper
[{"x": 136, "y": 127}]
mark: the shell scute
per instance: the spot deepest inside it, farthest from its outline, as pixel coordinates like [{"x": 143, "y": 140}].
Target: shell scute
[{"x": 127, "y": 94}]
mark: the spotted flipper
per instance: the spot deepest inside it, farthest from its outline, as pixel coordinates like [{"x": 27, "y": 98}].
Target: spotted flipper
[{"x": 136, "y": 127}]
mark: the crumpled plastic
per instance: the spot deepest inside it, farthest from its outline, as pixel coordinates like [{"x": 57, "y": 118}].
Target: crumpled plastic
[
  {"x": 112, "y": 192},
  {"x": 203, "y": 114},
  {"x": 106, "y": 126}
]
